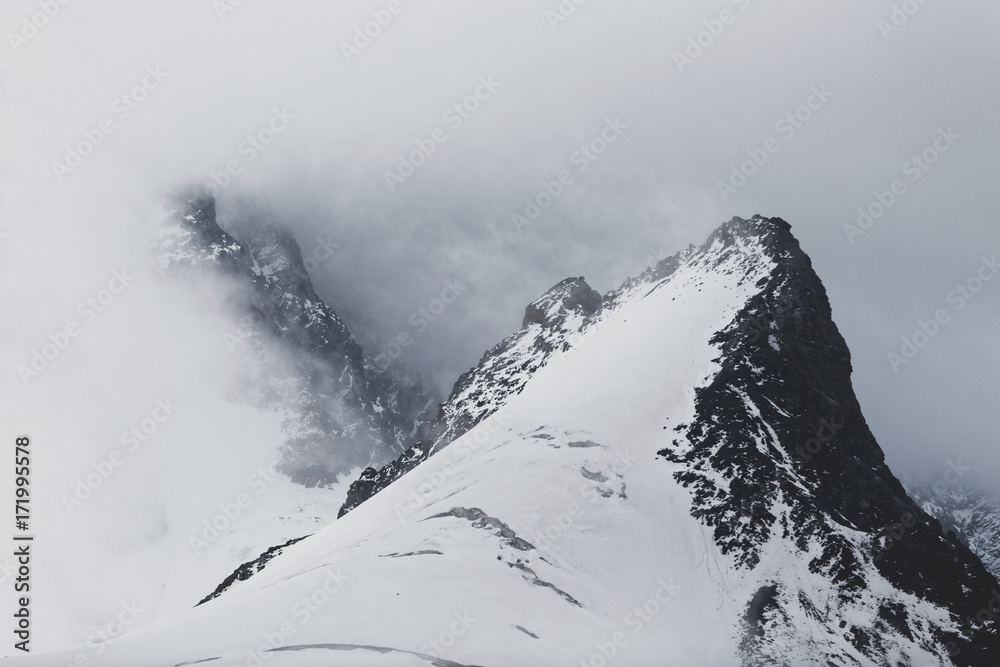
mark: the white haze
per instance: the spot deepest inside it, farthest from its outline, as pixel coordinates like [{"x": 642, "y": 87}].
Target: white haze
[{"x": 653, "y": 192}]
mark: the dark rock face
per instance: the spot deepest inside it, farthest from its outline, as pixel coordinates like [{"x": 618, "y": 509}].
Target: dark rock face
[
  {"x": 778, "y": 458},
  {"x": 248, "y": 569},
  {"x": 193, "y": 240},
  {"x": 778, "y": 450},
  {"x": 372, "y": 481},
  {"x": 550, "y": 324},
  {"x": 572, "y": 295},
  {"x": 481, "y": 520},
  {"x": 779, "y": 447},
  {"x": 298, "y": 354}
]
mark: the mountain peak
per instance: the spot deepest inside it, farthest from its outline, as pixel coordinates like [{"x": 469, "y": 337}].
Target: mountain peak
[
  {"x": 340, "y": 415},
  {"x": 572, "y": 295},
  {"x": 699, "y": 423},
  {"x": 775, "y": 454},
  {"x": 191, "y": 236}
]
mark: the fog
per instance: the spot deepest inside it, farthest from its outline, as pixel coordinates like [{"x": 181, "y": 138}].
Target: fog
[{"x": 265, "y": 104}]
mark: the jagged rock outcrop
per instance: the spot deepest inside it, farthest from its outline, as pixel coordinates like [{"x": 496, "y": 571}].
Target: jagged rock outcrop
[
  {"x": 552, "y": 325},
  {"x": 340, "y": 412},
  {"x": 780, "y": 449},
  {"x": 248, "y": 569},
  {"x": 755, "y": 475}
]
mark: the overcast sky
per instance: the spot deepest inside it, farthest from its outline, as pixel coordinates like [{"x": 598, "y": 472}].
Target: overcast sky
[{"x": 182, "y": 84}]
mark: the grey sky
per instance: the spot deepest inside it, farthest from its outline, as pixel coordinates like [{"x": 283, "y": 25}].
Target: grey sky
[{"x": 679, "y": 129}]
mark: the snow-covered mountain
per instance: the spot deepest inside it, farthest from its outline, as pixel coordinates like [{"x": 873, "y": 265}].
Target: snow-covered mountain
[
  {"x": 287, "y": 410},
  {"x": 341, "y": 410},
  {"x": 552, "y": 324},
  {"x": 676, "y": 473}
]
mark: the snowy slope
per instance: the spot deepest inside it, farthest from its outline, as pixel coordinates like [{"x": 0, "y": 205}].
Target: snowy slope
[
  {"x": 552, "y": 325},
  {"x": 638, "y": 500}
]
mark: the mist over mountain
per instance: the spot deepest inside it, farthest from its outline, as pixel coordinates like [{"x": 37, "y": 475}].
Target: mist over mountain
[
  {"x": 341, "y": 407},
  {"x": 689, "y": 443},
  {"x": 534, "y": 332}
]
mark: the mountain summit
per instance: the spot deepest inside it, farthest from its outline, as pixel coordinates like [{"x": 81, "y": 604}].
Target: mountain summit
[{"x": 677, "y": 472}]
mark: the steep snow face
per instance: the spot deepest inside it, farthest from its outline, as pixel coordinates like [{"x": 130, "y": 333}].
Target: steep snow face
[
  {"x": 635, "y": 501},
  {"x": 340, "y": 411}
]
